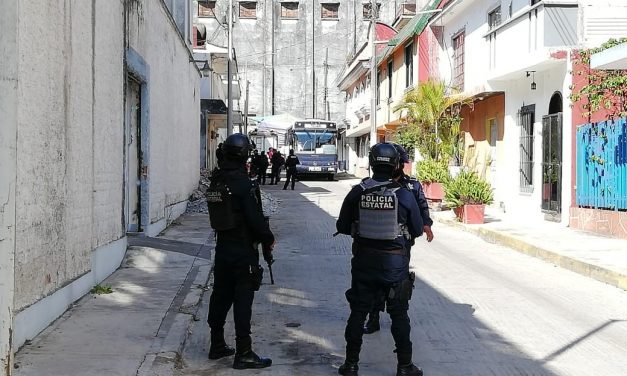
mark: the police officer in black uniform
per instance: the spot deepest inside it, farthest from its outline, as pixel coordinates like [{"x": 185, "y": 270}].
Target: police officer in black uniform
[
  {"x": 384, "y": 219},
  {"x": 236, "y": 216},
  {"x": 372, "y": 325},
  {"x": 290, "y": 166}
]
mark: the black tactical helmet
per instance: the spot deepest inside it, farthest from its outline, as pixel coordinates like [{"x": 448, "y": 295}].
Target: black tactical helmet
[
  {"x": 402, "y": 154},
  {"x": 383, "y": 155},
  {"x": 237, "y": 145}
]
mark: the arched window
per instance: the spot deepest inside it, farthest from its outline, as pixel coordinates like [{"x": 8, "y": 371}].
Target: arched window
[{"x": 555, "y": 106}]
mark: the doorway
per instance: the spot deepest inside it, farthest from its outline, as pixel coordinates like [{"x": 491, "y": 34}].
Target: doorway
[
  {"x": 132, "y": 186},
  {"x": 552, "y": 158}
]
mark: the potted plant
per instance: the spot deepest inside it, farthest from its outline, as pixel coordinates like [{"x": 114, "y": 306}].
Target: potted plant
[
  {"x": 468, "y": 195},
  {"x": 433, "y": 175}
]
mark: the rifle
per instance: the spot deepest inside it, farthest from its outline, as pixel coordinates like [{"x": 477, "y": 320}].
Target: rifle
[{"x": 267, "y": 255}]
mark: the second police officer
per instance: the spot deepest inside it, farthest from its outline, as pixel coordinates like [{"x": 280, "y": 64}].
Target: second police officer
[
  {"x": 236, "y": 216},
  {"x": 372, "y": 325},
  {"x": 384, "y": 219}
]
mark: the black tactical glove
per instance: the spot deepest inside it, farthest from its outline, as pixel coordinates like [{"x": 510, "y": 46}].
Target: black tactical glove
[{"x": 267, "y": 254}]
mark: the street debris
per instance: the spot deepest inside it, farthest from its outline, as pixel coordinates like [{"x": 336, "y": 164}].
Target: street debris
[{"x": 198, "y": 203}]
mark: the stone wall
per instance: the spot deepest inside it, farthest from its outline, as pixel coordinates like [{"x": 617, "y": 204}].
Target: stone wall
[{"x": 602, "y": 222}]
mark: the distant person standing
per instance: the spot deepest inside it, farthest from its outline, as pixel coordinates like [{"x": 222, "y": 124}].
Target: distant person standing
[
  {"x": 277, "y": 162},
  {"x": 254, "y": 160},
  {"x": 290, "y": 167},
  {"x": 270, "y": 153},
  {"x": 262, "y": 167}
]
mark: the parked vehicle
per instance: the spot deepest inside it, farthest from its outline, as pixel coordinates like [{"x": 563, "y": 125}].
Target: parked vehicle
[{"x": 315, "y": 143}]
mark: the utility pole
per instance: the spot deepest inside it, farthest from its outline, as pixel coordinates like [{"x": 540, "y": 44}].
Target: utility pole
[
  {"x": 273, "y": 56},
  {"x": 246, "y": 109},
  {"x": 373, "y": 72},
  {"x": 327, "y": 113},
  {"x": 229, "y": 74}
]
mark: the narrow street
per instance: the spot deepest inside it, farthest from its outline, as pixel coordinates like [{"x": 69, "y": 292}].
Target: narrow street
[{"x": 477, "y": 309}]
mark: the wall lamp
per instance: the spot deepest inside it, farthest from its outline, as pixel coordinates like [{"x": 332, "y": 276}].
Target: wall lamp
[
  {"x": 533, "y": 79},
  {"x": 205, "y": 69}
]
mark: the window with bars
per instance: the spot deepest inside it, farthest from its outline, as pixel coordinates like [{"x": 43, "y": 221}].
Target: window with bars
[
  {"x": 247, "y": 9},
  {"x": 409, "y": 65},
  {"x": 206, "y": 8},
  {"x": 289, "y": 10},
  {"x": 378, "y": 86},
  {"x": 367, "y": 10},
  {"x": 330, "y": 11},
  {"x": 526, "y": 118},
  {"x": 494, "y": 17},
  {"x": 458, "y": 60},
  {"x": 390, "y": 71}
]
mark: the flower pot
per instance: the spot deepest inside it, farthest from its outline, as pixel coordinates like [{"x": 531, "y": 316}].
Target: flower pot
[
  {"x": 459, "y": 212},
  {"x": 473, "y": 214},
  {"x": 433, "y": 191}
]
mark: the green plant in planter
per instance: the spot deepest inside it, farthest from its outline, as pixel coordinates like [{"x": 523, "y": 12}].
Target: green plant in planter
[
  {"x": 467, "y": 188},
  {"x": 432, "y": 171}
]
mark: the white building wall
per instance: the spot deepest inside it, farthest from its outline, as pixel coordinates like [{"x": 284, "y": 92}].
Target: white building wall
[
  {"x": 70, "y": 121},
  {"x": 174, "y": 113},
  {"x": 507, "y": 187},
  {"x": 520, "y": 45},
  {"x": 8, "y": 131}
]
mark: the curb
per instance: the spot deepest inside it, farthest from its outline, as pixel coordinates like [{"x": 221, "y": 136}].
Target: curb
[
  {"x": 599, "y": 273},
  {"x": 167, "y": 355}
]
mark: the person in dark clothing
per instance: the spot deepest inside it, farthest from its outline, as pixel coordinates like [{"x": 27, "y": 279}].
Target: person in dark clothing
[
  {"x": 219, "y": 153},
  {"x": 262, "y": 167},
  {"x": 373, "y": 325},
  {"x": 277, "y": 162},
  {"x": 237, "y": 217},
  {"x": 290, "y": 169},
  {"x": 384, "y": 219},
  {"x": 254, "y": 164}
]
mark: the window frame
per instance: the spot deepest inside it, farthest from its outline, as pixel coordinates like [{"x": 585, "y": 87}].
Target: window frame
[
  {"x": 498, "y": 17},
  {"x": 284, "y": 5},
  {"x": 409, "y": 68},
  {"x": 459, "y": 59},
  {"x": 207, "y": 2},
  {"x": 244, "y": 3},
  {"x": 337, "y": 11},
  {"x": 366, "y": 10},
  {"x": 377, "y": 92},
  {"x": 390, "y": 75},
  {"x": 526, "y": 148}
]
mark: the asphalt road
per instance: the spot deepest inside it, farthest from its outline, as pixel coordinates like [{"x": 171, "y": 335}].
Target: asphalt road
[{"x": 477, "y": 309}]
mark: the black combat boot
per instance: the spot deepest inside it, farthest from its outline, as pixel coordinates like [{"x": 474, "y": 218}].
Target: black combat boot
[
  {"x": 372, "y": 325},
  {"x": 348, "y": 369},
  {"x": 408, "y": 370},
  {"x": 219, "y": 349},
  {"x": 246, "y": 358}
]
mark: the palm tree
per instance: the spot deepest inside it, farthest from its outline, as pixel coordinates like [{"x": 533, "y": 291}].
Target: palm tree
[{"x": 433, "y": 120}]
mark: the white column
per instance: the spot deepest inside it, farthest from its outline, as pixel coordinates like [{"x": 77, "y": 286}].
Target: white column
[{"x": 8, "y": 175}]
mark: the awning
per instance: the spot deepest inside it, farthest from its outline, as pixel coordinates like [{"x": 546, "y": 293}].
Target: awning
[{"x": 614, "y": 58}]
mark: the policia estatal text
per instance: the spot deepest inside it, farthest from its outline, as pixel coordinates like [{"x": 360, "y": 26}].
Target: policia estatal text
[
  {"x": 382, "y": 239},
  {"x": 236, "y": 216}
]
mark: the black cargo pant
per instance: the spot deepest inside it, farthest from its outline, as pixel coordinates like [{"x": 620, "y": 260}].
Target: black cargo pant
[
  {"x": 290, "y": 174},
  {"x": 232, "y": 286},
  {"x": 275, "y": 177},
  {"x": 363, "y": 296},
  {"x": 261, "y": 177}
]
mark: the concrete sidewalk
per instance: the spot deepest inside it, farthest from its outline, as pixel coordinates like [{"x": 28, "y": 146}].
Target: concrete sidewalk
[
  {"x": 601, "y": 258},
  {"x": 141, "y": 327}
]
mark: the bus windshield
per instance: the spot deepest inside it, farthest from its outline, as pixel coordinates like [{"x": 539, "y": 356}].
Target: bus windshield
[{"x": 318, "y": 141}]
